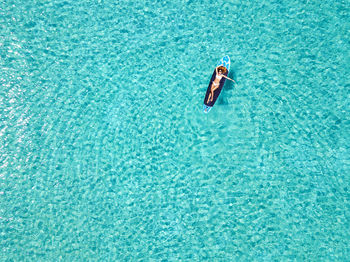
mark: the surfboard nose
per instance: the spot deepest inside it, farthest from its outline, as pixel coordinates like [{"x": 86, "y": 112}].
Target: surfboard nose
[{"x": 225, "y": 61}]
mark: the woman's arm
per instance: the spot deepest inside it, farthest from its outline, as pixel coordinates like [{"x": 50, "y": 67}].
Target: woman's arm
[{"x": 229, "y": 78}]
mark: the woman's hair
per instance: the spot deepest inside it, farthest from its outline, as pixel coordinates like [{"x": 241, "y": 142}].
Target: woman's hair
[{"x": 222, "y": 68}]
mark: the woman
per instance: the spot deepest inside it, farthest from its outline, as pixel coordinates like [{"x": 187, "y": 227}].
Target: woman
[{"x": 219, "y": 74}]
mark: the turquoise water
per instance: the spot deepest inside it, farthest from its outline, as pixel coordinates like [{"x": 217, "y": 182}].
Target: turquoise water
[{"x": 106, "y": 155}]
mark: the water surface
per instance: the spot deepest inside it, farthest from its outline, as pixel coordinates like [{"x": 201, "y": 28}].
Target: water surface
[{"x": 106, "y": 155}]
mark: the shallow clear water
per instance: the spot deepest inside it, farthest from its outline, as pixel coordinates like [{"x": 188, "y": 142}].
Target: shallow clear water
[{"x": 106, "y": 154}]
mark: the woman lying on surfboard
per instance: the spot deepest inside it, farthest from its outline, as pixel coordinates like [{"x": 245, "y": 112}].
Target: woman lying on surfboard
[{"x": 220, "y": 71}]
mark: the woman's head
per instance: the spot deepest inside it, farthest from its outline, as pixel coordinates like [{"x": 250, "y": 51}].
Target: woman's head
[{"x": 222, "y": 69}]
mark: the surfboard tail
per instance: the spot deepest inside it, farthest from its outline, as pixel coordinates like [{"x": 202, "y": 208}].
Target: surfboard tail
[{"x": 206, "y": 109}]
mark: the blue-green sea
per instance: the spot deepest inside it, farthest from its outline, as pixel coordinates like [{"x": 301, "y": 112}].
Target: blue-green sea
[{"x": 106, "y": 154}]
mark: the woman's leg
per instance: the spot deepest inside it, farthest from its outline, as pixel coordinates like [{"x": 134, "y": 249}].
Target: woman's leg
[
  {"x": 209, "y": 97},
  {"x": 211, "y": 94}
]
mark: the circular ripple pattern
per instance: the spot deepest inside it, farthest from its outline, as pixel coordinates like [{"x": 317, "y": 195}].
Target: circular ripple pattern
[{"x": 106, "y": 155}]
